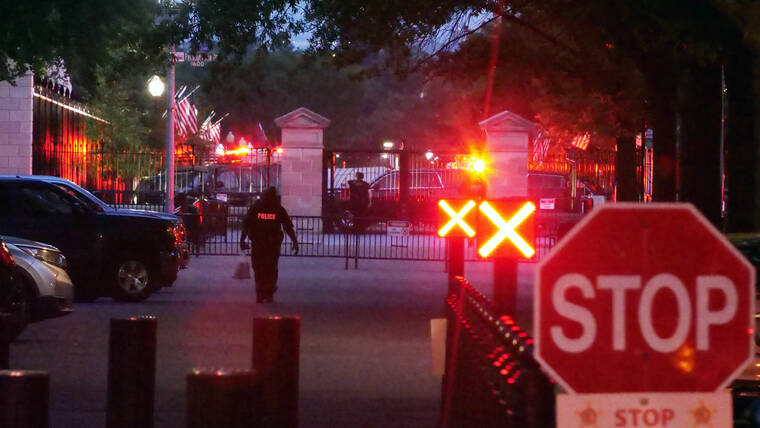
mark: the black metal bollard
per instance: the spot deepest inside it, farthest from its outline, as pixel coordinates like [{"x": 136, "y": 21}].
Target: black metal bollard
[
  {"x": 24, "y": 398},
  {"x": 219, "y": 398},
  {"x": 5, "y": 340},
  {"x": 276, "y": 342},
  {"x": 505, "y": 285},
  {"x": 131, "y": 372},
  {"x": 455, "y": 257}
]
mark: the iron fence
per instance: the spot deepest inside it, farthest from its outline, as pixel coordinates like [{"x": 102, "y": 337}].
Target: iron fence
[
  {"x": 368, "y": 238},
  {"x": 491, "y": 377}
]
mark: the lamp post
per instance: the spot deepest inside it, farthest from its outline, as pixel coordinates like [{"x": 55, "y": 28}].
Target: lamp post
[
  {"x": 165, "y": 5},
  {"x": 170, "y": 136},
  {"x": 156, "y": 88}
]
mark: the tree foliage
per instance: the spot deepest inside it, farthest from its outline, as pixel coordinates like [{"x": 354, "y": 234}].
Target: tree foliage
[
  {"x": 119, "y": 35},
  {"x": 364, "y": 110}
]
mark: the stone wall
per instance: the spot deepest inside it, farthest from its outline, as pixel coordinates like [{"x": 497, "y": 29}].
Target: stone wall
[{"x": 16, "y": 126}]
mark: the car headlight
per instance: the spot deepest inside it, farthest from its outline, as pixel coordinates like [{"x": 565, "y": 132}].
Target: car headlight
[{"x": 53, "y": 257}]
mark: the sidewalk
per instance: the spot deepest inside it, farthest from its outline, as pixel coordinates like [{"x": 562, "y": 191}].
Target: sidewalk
[{"x": 365, "y": 345}]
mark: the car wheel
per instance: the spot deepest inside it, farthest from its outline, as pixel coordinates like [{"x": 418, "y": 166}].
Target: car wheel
[
  {"x": 16, "y": 302},
  {"x": 132, "y": 281}
]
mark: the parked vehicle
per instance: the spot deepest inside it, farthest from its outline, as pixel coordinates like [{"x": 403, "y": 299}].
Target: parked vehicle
[
  {"x": 552, "y": 192},
  {"x": 47, "y": 288},
  {"x": 12, "y": 290},
  {"x": 202, "y": 217},
  {"x": 426, "y": 187},
  {"x": 235, "y": 184},
  {"x": 126, "y": 254},
  {"x": 749, "y": 245}
]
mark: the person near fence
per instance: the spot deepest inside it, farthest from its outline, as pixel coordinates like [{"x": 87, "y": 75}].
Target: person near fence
[
  {"x": 263, "y": 224},
  {"x": 359, "y": 199}
]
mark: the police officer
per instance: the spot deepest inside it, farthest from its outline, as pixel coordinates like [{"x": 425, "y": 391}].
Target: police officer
[
  {"x": 263, "y": 224},
  {"x": 359, "y": 199},
  {"x": 359, "y": 195}
]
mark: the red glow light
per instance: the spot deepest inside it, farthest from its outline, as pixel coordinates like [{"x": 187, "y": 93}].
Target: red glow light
[{"x": 5, "y": 256}]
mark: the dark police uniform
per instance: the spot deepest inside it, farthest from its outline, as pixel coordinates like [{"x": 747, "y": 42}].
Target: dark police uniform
[
  {"x": 359, "y": 196},
  {"x": 263, "y": 224}
]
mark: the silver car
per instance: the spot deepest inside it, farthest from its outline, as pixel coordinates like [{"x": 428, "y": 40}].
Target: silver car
[{"x": 49, "y": 291}]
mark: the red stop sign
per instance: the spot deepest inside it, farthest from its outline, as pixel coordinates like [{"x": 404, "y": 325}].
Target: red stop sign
[{"x": 644, "y": 298}]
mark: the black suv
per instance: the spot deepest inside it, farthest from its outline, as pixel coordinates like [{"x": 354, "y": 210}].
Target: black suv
[
  {"x": 125, "y": 254},
  {"x": 238, "y": 184}
]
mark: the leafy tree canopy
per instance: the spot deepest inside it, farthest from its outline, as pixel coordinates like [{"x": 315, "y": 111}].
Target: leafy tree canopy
[
  {"x": 365, "y": 111},
  {"x": 118, "y": 35}
]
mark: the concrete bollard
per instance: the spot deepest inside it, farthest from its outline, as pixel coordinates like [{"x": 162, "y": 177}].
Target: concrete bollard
[
  {"x": 131, "y": 372},
  {"x": 276, "y": 342},
  {"x": 24, "y": 398},
  {"x": 219, "y": 398}
]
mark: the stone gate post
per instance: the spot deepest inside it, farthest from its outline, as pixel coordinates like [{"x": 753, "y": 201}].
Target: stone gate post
[
  {"x": 301, "y": 174},
  {"x": 16, "y": 126},
  {"x": 507, "y": 137}
]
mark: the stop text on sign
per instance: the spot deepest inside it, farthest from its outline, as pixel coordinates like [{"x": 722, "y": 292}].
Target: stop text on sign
[{"x": 617, "y": 289}]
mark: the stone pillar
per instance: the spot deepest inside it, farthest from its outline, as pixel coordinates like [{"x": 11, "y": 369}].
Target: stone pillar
[
  {"x": 16, "y": 126},
  {"x": 507, "y": 136},
  {"x": 301, "y": 169}
]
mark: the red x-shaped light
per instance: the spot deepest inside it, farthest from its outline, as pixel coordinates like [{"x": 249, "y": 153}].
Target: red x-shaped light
[
  {"x": 456, "y": 218},
  {"x": 507, "y": 229}
]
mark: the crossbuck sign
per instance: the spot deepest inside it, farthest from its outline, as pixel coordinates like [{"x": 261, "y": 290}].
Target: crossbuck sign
[{"x": 504, "y": 228}]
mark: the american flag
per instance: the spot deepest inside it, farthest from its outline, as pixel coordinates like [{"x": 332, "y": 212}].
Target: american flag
[
  {"x": 188, "y": 117},
  {"x": 211, "y": 132},
  {"x": 179, "y": 127},
  {"x": 581, "y": 141},
  {"x": 215, "y": 132}
]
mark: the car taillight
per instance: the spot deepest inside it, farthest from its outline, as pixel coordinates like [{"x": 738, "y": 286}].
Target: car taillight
[
  {"x": 5, "y": 256},
  {"x": 179, "y": 233}
]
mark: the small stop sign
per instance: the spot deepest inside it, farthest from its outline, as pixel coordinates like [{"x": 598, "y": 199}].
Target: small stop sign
[{"x": 644, "y": 298}]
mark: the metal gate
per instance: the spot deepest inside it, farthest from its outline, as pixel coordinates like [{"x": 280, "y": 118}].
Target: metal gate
[
  {"x": 401, "y": 221},
  {"x": 380, "y": 239}
]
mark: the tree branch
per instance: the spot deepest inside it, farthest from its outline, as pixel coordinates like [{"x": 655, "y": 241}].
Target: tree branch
[
  {"x": 508, "y": 16},
  {"x": 450, "y": 42}
]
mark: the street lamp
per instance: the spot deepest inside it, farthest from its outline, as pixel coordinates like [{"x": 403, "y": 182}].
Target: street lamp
[
  {"x": 388, "y": 145},
  {"x": 156, "y": 86},
  {"x": 428, "y": 155},
  {"x": 153, "y": 87}
]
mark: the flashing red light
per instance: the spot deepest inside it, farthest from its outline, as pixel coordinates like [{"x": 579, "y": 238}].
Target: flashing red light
[
  {"x": 456, "y": 218},
  {"x": 240, "y": 151},
  {"x": 279, "y": 150},
  {"x": 5, "y": 255},
  {"x": 506, "y": 229}
]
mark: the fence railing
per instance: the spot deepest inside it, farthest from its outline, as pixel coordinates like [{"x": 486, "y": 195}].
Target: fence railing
[
  {"x": 367, "y": 238},
  {"x": 491, "y": 378}
]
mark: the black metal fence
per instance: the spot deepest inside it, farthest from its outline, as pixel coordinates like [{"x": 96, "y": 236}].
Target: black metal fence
[
  {"x": 491, "y": 378},
  {"x": 369, "y": 238}
]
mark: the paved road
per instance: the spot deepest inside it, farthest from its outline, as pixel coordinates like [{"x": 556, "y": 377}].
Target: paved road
[{"x": 365, "y": 347}]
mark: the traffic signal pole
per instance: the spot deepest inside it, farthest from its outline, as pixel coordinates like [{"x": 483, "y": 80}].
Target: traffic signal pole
[
  {"x": 505, "y": 285},
  {"x": 455, "y": 257}
]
